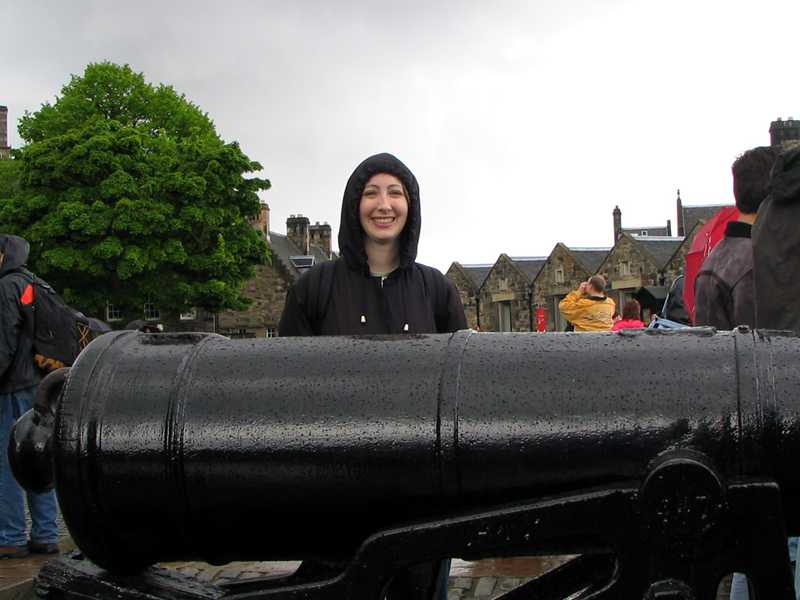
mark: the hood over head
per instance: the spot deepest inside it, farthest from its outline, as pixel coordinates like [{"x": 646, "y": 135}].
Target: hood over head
[
  {"x": 351, "y": 235},
  {"x": 15, "y": 249},
  {"x": 784, "y": 183}
]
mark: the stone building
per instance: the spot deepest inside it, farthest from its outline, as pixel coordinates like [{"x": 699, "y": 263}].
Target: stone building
[
  {"x": 5, "y": 149},
  {"x": 656, "y": 230},
  {"x": 563, "y": 271},
  {"x": 505, "y": 296},
  {"x": 469, "y": 279},
  {"x": 783, "y": 133},
  {"x": 303, "y": 246},
  {"x": 690, "y": 216},
  {"x": 642, "y": 261}
]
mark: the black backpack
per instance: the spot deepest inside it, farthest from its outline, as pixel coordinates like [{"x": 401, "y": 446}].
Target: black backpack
[{"x": 58, "y": 331}]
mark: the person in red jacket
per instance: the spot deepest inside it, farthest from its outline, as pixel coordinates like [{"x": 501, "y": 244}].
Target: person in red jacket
[{"x": 631, "y": 312}]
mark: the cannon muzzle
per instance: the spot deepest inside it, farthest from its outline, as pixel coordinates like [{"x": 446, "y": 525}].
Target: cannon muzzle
[{"x": 182, "y": 446}]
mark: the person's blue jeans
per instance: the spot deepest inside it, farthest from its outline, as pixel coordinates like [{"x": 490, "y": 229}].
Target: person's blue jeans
[
  {"x": 739, "y": 589},
  {"x": 43, "y": 507}
]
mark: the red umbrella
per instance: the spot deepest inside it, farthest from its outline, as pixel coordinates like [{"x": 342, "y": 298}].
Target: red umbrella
[{"x": 704, "y": 240}]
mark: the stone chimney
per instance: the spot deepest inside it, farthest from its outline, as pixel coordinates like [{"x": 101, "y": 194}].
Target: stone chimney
[
  {"x": 297, "y": 227},
  {"x": 617, "y": 223},
  {"x": 784, "y": 132},
  {"x": 669, "y": 228},
  {"x": 261, "y": 221},
  {"x": 5, "y": 150},
  {"x": 321, "y": 236},
  {"x": 680, "y": 215}
]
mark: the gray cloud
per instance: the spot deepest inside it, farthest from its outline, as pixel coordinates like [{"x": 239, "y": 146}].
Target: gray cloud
[{"x": 525, "y": 122}]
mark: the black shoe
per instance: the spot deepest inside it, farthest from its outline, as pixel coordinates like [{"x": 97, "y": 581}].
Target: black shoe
[
  {"x": 13, "y": 552},
  {"x": 40, "y": 548}
]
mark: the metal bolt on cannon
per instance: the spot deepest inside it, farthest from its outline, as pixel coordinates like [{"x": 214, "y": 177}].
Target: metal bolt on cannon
[{"x": 664, "y": 461}]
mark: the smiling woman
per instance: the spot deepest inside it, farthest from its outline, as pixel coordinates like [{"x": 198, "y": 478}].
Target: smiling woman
[
  {"x": 376, "y": 287},
  {"x": 383, "y": 212}
]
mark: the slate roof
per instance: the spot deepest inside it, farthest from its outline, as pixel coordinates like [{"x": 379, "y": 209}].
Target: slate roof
[
  {"x": 477, "y": 273},
  {"x": 660, "y": 231},
  {"x": 694, "y": 214},
  {"x": 530, "y": 265},
  {"x": 590, "y": 258},
  {"x": 662, "y": 249},
  {"x": 282, "y": 248}
]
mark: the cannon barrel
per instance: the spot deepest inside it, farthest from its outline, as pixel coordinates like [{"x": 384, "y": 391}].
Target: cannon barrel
[{"x": 293, "y": 448}]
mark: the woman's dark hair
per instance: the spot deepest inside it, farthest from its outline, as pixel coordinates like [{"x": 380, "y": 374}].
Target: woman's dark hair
[{"x": 631, "y": 310}]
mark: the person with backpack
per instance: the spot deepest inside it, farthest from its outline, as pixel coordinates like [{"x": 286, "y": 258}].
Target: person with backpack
[
  {"x": 377, "y": 287},
  {"x": 19, "y": 376}
]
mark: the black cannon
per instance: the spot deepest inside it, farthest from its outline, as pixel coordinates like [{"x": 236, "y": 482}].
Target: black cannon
[{"x": 664, "y": 460}]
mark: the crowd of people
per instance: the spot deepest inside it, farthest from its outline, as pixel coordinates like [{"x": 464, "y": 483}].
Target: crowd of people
[{"x": 377, "y": 287}]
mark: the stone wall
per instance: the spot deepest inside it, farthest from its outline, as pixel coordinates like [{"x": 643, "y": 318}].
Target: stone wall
[
  {"x": 547, "y": 292},
  {"x": 467, "y": 293},
  {"x": 642, "y": 270},
  {"x": 268, "y": 291},
  {"x": 505, "y": 283}
]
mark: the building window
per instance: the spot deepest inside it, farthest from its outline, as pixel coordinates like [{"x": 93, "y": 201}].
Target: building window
[
  {"x": 151, "y": 312},
  {"x": 189, "y": 316},
  {"x": 504, "y": 316},
  {"x": 113, "y": 313},
  {"x": 644, "y": 232},
  {"x": 559, "y": 275},
  {"x": 302, "y": 263},
  {"x": 624, "y": 269},
  {"x": 271, "y": 332}
]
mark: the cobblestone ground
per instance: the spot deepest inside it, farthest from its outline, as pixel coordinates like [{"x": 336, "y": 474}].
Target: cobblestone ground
[
  {"x": 459, "y": 588},
  {"x": 481, "y": 580},
  {"x": 468, "y": 581}
]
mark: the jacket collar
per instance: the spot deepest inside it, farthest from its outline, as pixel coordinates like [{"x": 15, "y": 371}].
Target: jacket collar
[{"x": 737, "y": 229}]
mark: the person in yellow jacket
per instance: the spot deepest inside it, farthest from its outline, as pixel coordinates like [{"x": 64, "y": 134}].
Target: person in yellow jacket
[{"x": 588, "y": 308}]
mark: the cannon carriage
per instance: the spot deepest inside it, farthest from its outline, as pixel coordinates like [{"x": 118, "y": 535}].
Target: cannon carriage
[{"x": 663, "y": 459}]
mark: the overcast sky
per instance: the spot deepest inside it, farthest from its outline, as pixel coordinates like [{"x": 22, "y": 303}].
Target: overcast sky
[{"x": 525, "y": 122}]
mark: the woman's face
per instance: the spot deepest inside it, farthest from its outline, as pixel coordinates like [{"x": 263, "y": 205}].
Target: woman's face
[{"x": 384, "y": 208}]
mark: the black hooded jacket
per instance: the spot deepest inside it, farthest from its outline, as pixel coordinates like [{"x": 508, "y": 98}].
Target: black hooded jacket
[
  {"x": 349, "y": 301},
  {"x": 776, "y": 248},
  {"x": 17, "y": 369}
]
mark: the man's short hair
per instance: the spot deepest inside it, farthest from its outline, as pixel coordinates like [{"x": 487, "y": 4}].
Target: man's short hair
[
  {"x": 751, "y": 176},
  {"x": 598, "y": 283}
]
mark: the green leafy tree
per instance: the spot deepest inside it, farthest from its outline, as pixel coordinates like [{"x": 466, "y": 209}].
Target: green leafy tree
[
  {"x": 9, "y": 178},
  {"x": 127, "y": 194}
]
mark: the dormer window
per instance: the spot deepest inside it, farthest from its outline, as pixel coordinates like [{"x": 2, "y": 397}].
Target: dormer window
[{"x": 301, "y": 263}]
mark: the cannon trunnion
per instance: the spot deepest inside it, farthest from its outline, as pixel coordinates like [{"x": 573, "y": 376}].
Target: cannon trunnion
[{"x": 664, "y": 460}]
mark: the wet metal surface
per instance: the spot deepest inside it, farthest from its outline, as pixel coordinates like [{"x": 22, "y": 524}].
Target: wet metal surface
[{"x": 294, "y": 448}]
